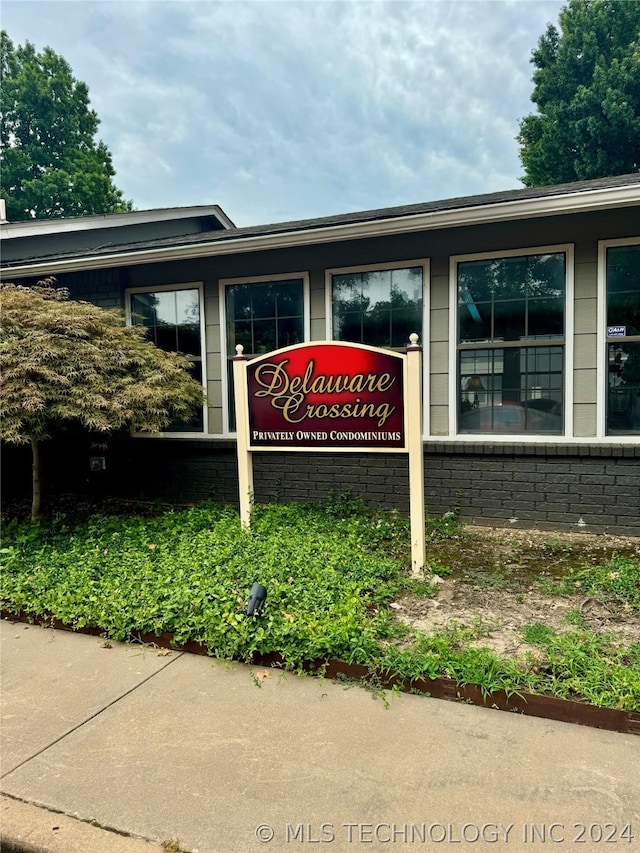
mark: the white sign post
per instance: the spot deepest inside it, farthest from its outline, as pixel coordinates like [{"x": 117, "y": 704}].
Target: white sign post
[
  {"x": 413, "y": 414},
  {"x": 377, "y": 407},
  {"x": 245, "y": 459}
]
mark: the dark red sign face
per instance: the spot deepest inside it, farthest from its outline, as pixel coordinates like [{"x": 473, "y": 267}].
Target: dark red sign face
[{"x": 326, "y": 395}]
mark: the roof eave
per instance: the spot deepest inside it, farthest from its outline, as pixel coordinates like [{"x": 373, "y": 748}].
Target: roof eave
[
  {"x": 573, "y": 202},
  {"x": 43, "y": 227}
]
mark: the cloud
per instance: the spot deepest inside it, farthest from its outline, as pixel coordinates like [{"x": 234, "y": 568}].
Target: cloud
[{"x": 280, "y": 110}]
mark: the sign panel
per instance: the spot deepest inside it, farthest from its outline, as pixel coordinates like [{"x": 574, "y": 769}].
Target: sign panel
[
  {"x": 616, "y": 331},
  {"x": 331, "y": 395}
]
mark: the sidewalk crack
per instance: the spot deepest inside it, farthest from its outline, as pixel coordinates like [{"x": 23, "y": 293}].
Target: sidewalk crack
[{"x": 88, "y": 719}]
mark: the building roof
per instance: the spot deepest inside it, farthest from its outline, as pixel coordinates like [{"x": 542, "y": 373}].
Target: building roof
[
  {"x": 62, "y": 225},
  {"x": 603, "y": 193}
]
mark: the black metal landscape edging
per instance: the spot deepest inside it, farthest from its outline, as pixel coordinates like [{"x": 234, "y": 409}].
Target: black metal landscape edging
[{"x": 529, "y": 704}]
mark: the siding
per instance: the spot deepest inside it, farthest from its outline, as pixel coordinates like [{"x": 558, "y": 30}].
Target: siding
[{"x": 106, "y": 287}]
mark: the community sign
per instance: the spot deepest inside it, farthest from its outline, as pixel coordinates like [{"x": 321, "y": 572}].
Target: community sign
[
  {"x": 327, "y": 395},
  {"x": 330, "y": 396}
]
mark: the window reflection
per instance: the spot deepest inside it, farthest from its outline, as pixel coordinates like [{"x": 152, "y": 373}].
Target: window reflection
[
  {"x": 262, "y": 316},
  {"x": 623, "y": 353},
  {"x": 623, "y": 398},
  {"x": 172, "y": 318},
  {"x": 377, "y": 307},
  {"x": 511, "y": 389}
]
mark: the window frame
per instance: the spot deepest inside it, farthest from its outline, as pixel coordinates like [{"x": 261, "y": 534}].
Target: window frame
[
  {"x": 164, "y": 288},
  {"x": 223, "y": 283},
  {"x": 603, "y": 341},
  {"x": 568, "y": 345},
  {"x": 425, "y": 264}
]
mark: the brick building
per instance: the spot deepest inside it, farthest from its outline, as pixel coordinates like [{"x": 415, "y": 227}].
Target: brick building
[{"x": 527, "y": 303}]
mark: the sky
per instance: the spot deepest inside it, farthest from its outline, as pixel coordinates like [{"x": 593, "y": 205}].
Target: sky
[{"x": 299, "y": 108}]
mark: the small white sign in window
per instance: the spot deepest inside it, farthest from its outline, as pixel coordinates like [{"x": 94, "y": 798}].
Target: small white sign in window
[{"x": 616, "y": 331}]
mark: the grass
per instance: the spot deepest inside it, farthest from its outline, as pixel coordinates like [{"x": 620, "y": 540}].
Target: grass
[
  {"x": 579, "y": 663},
  {"x": 331, "y": 572},
  {"x": 616, "y": 581}
]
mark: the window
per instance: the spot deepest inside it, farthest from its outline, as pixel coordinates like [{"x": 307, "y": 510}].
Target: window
[
  {"x": 173, "y": 317},
  {"x": 378, "y": 307},
  {"x": 623, "y": 339},
  {"x": 262, "y": 314},
  {"x": 511, "y": 343}
]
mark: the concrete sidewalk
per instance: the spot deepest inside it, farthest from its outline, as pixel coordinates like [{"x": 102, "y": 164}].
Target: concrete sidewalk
[{"x": 155, "y": 747}]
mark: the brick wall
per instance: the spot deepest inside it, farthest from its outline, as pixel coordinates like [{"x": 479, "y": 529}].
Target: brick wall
[
  {"x": 568, "y": 487},
  {"x": 571, "y": 487}
]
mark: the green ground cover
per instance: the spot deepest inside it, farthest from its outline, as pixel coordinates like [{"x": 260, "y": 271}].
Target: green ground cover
[{"x": 331, "y": 571}]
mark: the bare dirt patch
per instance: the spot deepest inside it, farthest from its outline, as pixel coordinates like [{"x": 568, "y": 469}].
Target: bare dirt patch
[{"x": 493, "y": 581}]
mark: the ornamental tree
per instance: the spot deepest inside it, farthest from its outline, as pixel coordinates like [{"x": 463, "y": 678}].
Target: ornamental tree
[
  {"x": 72, "y": 363},
  {"x": 52, "y": 164},
  {"x": 587, "y": 91}
]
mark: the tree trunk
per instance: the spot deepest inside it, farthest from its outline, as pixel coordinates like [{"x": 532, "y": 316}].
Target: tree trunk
[{"x": 36, "y": 496}]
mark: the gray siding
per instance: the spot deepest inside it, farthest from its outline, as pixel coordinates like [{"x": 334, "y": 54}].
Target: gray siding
[{"x": 582, "y": 230}]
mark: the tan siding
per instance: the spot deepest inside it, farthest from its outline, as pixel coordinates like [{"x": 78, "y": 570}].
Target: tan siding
[
  {"x": 439, "y": 292},
  {"x": 584, "y": 420},
  {"x": 439, "y": 357},
  {"x": 439, "y": 420},
  {"x": 585, "y": 341},
  {"x": 213, "y": 355},
  {"x": 215, "y": 412},
  {"x": 439, "y": 347},
  {"x": 439, "y": 326},
  {"x": 585, "y": 351},
  {"x": 214, "y": 366},
  {"x": 439, "y": 382},
  {"x": 317, "y": 306},
  {"x": 586, "y": 280},
  {"x": 438, "y": 389},
  {"x": 318, "y": 330},
  {"x": 585, "y": 316},
  {"x": 584, "y": 387}
]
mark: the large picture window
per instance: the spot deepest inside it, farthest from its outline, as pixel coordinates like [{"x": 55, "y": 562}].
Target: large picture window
[
  {"x": 623, "y": 339},
  {"x": 511, "y": 344},
  {"x": 378, "y": 307},
  {"x": 174, "y": 322},
  {"x": 262, "y": 315}
]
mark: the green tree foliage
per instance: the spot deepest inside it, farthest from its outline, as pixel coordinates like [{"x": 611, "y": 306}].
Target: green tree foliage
[
  {"x": 587, "y": 91},
  {"x": 72, "y": 363},
  {"x": 51, "y": 163}
]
